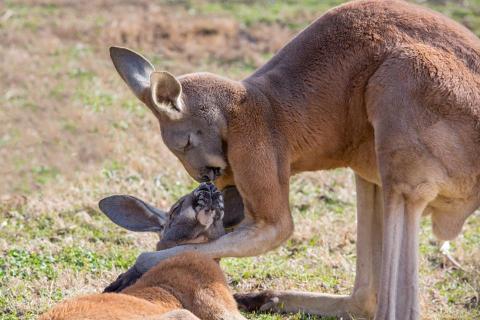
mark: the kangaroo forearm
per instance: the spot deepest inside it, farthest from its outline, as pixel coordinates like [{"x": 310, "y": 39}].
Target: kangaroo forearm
[{"x": 246, "y": 241}]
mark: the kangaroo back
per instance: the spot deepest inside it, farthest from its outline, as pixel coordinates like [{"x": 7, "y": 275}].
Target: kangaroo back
[
  {"x": 196, "y": 280},
  {"x": 109, "y": 306},
  {"x": 191, "y": 281}
]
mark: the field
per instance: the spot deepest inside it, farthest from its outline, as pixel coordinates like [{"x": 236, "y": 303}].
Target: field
[{"x": 71, "y": 133}]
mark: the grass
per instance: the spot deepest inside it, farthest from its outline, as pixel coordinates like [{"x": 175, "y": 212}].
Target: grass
[
  {"x": 71, "y": 133},
  {"x": 289, "y": 13},
  {"x": 49, "y": 249}
]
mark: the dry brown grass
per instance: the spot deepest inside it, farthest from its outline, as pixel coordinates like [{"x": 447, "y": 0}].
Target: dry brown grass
[
  {"x": 71, "y": 133},
  {"x": 60, "y": 91}
]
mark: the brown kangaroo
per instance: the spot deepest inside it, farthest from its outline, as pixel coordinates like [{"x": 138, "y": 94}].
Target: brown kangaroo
[
  {"x": 386, "y": 88},
  {"x": 188, "y": 286}
]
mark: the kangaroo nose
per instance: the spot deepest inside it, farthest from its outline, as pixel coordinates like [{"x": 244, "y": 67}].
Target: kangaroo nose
[
  {"x": 210, "y": 174},
  {"x": 214, "y": 172}
]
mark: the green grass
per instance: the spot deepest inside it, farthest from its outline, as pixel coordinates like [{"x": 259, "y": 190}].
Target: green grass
[
  {"x": 81, "y": 243},
  {"x": 52, "y": 244},
  {"x": 290, "y": 13},
  {"x": 465, "y": 12}
]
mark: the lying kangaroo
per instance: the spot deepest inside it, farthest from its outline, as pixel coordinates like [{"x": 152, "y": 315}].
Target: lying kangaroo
[
  {"x": 188, "y": 286},
  {"x": 387, "y": 88}
]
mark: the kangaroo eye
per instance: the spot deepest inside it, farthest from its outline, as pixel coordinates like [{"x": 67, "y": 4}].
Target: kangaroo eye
[{"x": 188, "y": 145}]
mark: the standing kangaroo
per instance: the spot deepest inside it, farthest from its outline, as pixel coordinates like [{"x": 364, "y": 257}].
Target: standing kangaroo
[
  {"x": 185, "y": 287},
  {"x": 386, "y": 88}
]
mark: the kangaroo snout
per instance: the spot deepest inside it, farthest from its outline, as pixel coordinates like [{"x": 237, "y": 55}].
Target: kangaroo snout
[{"x": 210, "y": 174}]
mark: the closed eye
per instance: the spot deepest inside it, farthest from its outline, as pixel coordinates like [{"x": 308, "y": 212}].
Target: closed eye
[{"x": 189, "y": 144}]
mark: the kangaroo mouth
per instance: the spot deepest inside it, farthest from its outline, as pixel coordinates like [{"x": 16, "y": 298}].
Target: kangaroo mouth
[{"x": 211, "y": 174}]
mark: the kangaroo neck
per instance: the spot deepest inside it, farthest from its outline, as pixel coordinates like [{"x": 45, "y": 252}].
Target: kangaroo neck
[{"x": 313, "y": 95}]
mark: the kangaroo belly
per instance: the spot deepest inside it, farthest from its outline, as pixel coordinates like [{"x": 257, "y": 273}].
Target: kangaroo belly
[{"x": 449, "y": 215}]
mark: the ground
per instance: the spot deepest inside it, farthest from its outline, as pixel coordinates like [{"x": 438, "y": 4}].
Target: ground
[{"x": 71, "y": 133}]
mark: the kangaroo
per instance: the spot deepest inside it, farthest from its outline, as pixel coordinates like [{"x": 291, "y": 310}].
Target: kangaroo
[
  {"x": 186, "y": 287},
  {"x": 386, "y": 88}
]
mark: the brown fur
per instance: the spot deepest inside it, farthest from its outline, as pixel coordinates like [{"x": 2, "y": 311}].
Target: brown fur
[
  {"x": 190, "y": 281},
  {"x": 387, "y": 88}
]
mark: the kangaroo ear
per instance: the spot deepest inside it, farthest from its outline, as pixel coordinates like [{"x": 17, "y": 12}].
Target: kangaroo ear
[
  {"x": 160, "y": 91},
  {"x": 133, "y": 214},
  {"x": 135, "y": 70},
  {"x": 166, "y": 91}
]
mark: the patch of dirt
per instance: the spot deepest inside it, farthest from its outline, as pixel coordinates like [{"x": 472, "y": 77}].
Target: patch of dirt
[
  {"x": 179, "y": 35},
  {"x": 56, "y": 70},
  {"x": 167, "y": 30}
]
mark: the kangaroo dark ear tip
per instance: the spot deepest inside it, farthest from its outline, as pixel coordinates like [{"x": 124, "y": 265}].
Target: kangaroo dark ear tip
[
  {"x": 118, "y": 49},
  {"x": 106, "y": 203},
  {"x": 123, "y": 51},
  {"x": 114, "y": 50}
]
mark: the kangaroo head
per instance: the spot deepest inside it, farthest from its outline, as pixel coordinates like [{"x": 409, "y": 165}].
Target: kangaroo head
[
  {"x": 190, "y": 109},
  {"x": 196, "y": 217}
]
